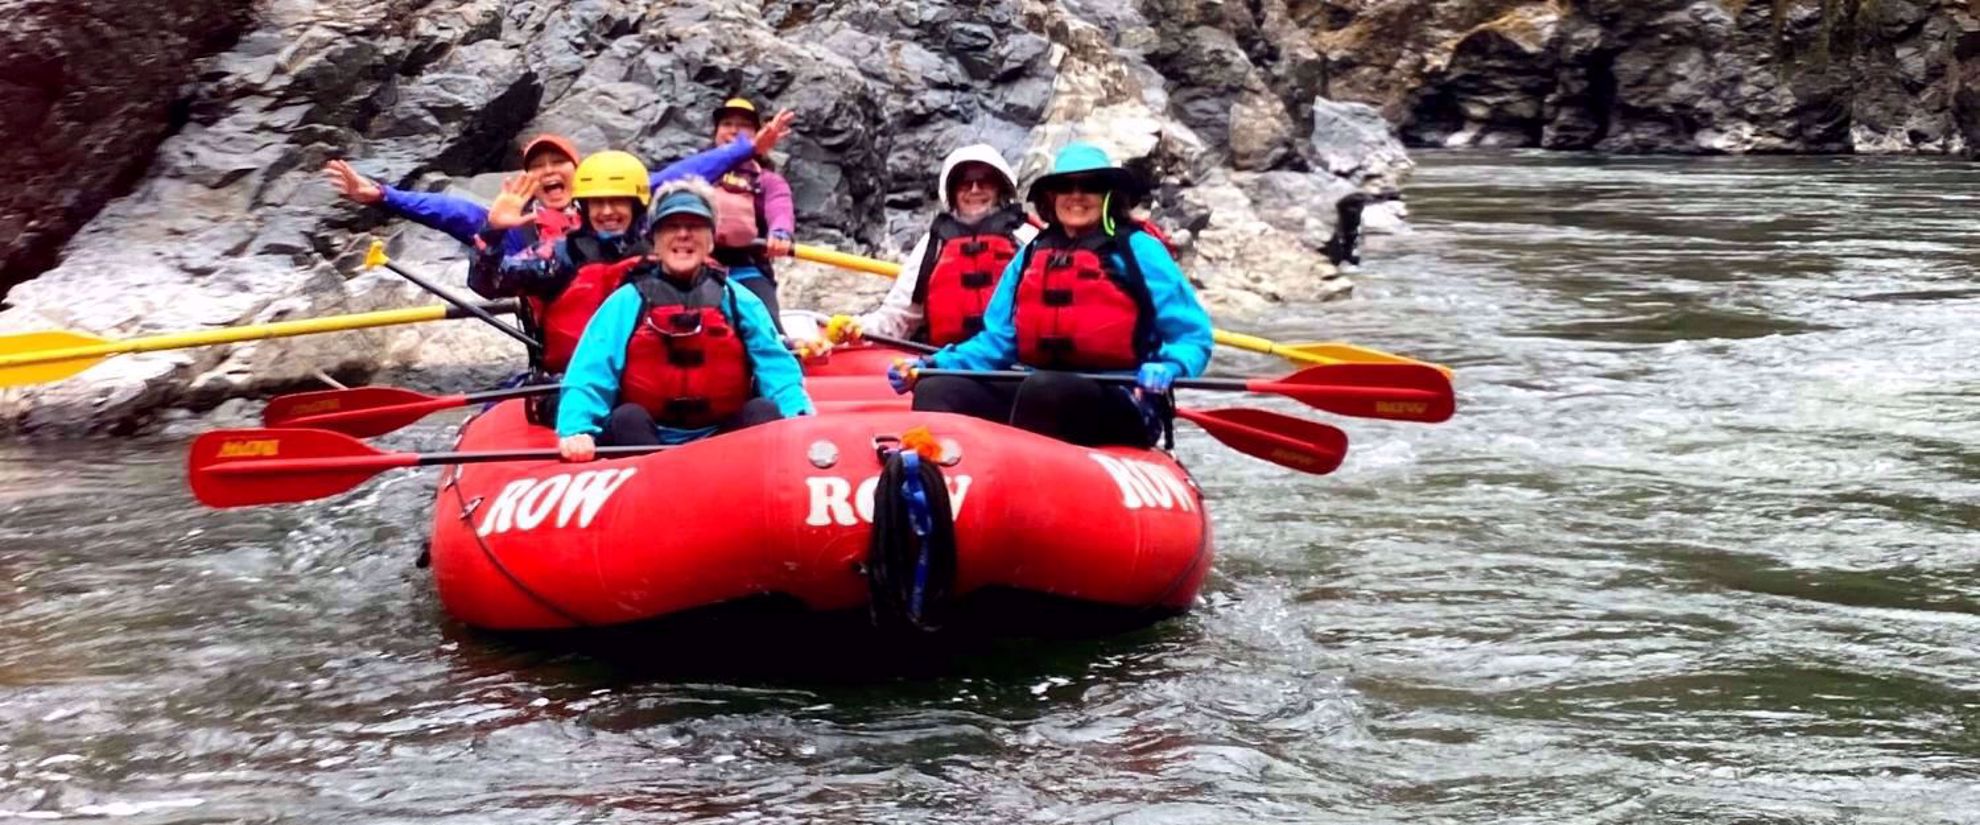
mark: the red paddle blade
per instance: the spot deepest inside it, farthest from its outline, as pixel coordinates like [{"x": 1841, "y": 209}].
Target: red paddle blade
[
  {"x": 286, "y": 408},
  {"x": 240, "y": 468},
  {"x": 1396, "y": 392},
  {"x": 1295, "y": 443}
]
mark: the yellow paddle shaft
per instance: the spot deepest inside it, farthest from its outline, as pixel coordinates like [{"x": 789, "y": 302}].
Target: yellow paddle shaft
[
  {"x": 253, "y": 332},
  {"x": 832, "y": 257}
]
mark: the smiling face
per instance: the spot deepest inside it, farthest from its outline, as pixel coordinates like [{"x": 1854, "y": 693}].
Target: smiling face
[
  {"x": 682, "y": 243},
  {"x": 1077, "y": 203},
  {"x": 732, "y": 124},
  {"x": 554, "y": 169},
  {"x": 978, "y": 188},
  {"x": 609, "y": 215}
]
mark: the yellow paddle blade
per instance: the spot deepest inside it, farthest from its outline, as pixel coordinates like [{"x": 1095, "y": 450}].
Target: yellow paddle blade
[
  {"x": 1340, "y": 353},
  {"x": 40, "y": 357},
  {"x": 375, "y": 256},
  {"x": 1318, "y": 353}
]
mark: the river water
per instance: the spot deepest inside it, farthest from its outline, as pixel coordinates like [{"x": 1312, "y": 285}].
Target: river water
[{"x": 1700, "y": 547}]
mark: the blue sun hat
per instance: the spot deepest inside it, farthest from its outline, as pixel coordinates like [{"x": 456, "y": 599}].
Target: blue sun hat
[
  {"x": 683, "y": 202},
  {"x": 1125, "y": 189}
]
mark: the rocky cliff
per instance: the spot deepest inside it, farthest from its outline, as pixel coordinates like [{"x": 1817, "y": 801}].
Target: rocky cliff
[
  {"x": 1661, "y": 75},
  {"x": 229, "y": 222}
]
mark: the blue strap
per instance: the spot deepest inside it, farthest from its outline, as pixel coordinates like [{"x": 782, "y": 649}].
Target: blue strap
[{"x": 916, "y": 497}]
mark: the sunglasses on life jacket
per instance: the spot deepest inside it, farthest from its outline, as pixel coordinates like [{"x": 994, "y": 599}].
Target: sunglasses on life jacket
[{"x": 678, "y": 325}]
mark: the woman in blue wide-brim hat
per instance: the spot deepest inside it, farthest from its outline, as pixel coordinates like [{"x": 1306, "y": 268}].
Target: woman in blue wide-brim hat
[{"x": 1094, "y": 292}]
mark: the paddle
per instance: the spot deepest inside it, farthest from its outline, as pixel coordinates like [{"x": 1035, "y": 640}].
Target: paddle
[
  {"x": 1294, "y": 443},
  {"x": 371, "y": 411},
  {"x": 239, "y": 468},
  {"x": 1314, "y": 352},
  {"x": 42, "y": 357},
  {"x": 1395, "y": 392},
  {"x": 1305, "y": 353},
  {"x": 375, "y": 257},
  {"x": 1306, "y": 446}
]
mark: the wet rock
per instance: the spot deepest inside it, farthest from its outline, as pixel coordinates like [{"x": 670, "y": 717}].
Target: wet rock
[
  {"x": 87, "y": 90},
  {"x": 1351, "y": 141}
]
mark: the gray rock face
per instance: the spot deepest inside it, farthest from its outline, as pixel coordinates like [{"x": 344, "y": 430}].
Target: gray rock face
[
  {"x": 87, "y": 90},
  {"x": 234, "y": 225},
  {"x": 1660, "y": 75}
]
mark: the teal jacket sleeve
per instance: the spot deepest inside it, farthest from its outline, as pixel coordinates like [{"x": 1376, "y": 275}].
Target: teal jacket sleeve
[
  {"x": 1180, "y": 321},
  {"x": 995, "y": 346},
  {"x": 591, "y": 384},
  {"x": 778, "y": 376},
  {"x": 707, "y": 164},
  {"x": 459, "y": 217}
]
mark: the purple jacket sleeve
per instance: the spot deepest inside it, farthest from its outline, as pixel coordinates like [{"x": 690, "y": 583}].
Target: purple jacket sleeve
[
  {"x": 707, "y": 164},
  {"x": 460, "y": 218},
  {"x": 777, "y": 206}
]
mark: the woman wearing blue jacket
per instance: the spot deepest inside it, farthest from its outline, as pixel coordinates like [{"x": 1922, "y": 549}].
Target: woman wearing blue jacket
[
  {"x": 1092, "y": 293},
  {"x": 677, "y": 353}
]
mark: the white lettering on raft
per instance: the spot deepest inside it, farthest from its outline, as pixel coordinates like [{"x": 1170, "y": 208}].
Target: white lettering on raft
[
  {"x": 526, "y": 503},
  {"x": 1146, "y": 485},
  {"x": 834, "y": 501}
]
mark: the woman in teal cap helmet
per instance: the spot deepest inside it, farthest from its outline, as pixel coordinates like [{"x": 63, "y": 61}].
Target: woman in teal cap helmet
[
  {"x": 1092, "y": 293},
  {"x": 678, "y": 352}
]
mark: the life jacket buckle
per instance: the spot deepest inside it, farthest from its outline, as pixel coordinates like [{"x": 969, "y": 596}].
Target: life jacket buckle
[
  {"x": 975, "y": 247},
  {"x": 1058, "y": 297},
  {"x": 1055, "y": 343},
  {"x": 681, "y": 357},
  {"x": 686, "y": 407},
  {"x": 1090, "y": 274},
  {"x": 975, "y": 280},
  {"x": 1059, "y": 259}
]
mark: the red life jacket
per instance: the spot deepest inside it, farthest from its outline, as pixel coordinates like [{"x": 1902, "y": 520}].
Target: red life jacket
[
  {"x": 686, "y": 362},
  {"x": 1076, "y": 309},
  {"x": 959, "y": 271},
  {"x": 560, "y": 321},
  {"x": 550, "y": 225}
]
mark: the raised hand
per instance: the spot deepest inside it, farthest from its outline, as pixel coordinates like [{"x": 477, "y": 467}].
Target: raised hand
[
  {"x": 774, "y": 131},
  {"x": 507, "y": 210},
  {"x": 351, "y": 185}
]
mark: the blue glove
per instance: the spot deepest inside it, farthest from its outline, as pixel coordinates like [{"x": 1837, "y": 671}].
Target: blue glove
[
  {"x": 903, "y": 373},
  {"x": 1157, "y": 377}
]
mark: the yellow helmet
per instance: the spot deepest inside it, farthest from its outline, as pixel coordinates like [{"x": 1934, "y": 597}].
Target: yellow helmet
[
  {"x": 740, "y": 105},
  {"x": 612, "y": 174}
]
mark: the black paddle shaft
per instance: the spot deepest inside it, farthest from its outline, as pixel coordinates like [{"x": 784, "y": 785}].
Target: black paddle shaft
[
  {"x": 464, "y": 306},
  {"x": 1236, "y": 384},
  {"x": 430, "y": 459},
  {"x": 513, "y": 392}
]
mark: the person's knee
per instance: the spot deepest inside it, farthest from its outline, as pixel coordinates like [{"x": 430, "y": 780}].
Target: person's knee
[
  {"x": 1058, "y": 391},
  {"x": 629, "y": 424},
  {"x": 942, "y": 393},
  {"x": 626, "y": 415},
  {"x": 758, "y": 411}
]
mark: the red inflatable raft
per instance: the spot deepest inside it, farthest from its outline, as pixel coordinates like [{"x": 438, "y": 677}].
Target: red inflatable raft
[{"x": 783, "y": 512}]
